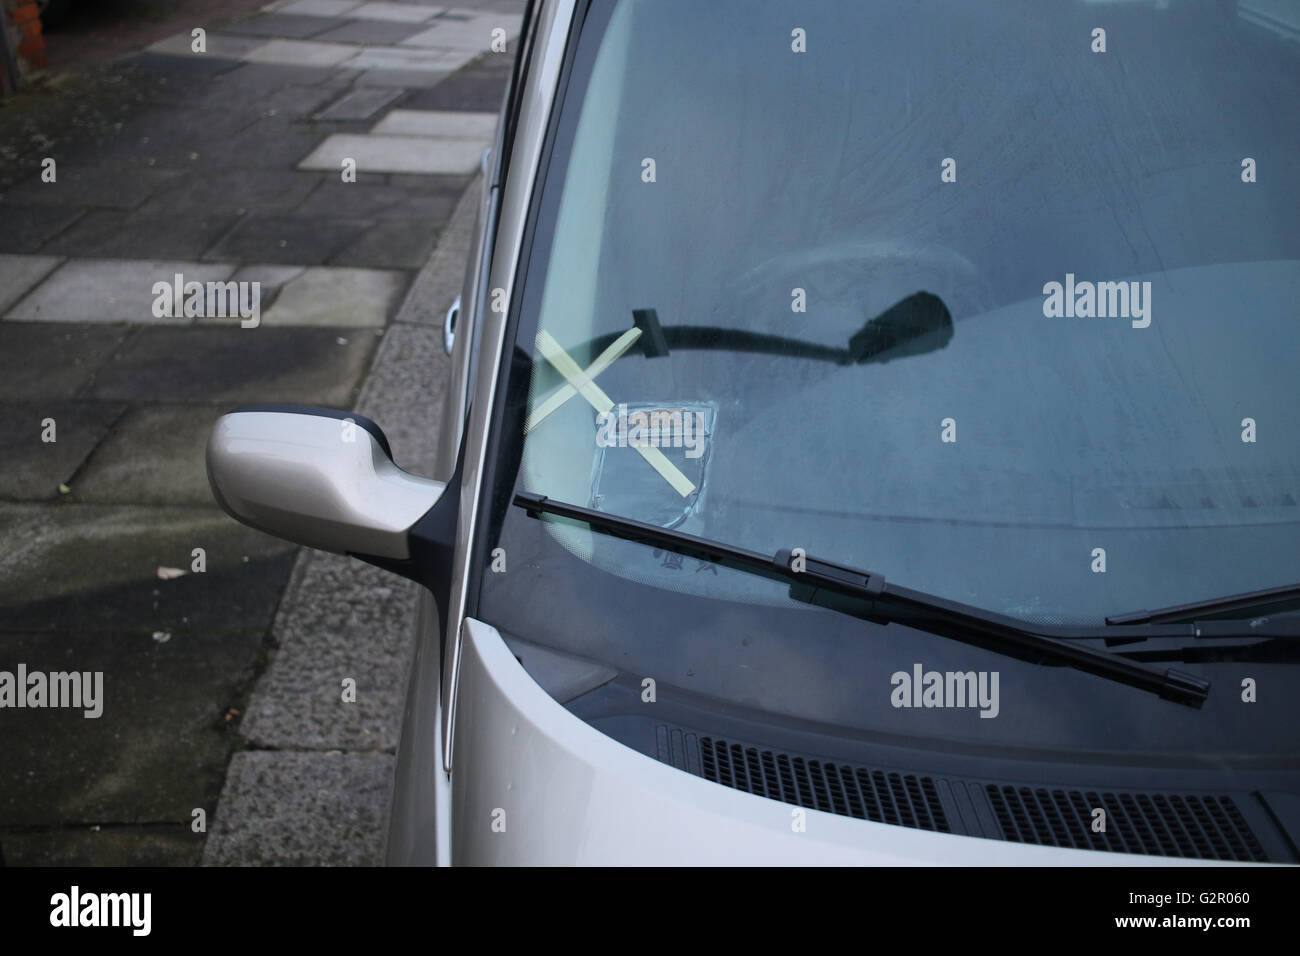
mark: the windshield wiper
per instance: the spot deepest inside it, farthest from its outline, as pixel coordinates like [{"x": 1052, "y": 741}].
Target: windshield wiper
[
  {"x": 828, "y": 585},
  {"x": 1250, "y": 601}
]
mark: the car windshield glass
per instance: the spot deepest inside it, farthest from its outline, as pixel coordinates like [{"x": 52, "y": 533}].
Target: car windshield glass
[{"x": 944, "y": 290}]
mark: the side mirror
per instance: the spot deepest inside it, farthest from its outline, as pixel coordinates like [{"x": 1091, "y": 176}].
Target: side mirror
[{"x": 322, "y": 478}]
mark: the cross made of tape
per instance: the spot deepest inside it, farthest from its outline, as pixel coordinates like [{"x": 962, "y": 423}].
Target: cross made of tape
[{"x": 580, "y": 382}]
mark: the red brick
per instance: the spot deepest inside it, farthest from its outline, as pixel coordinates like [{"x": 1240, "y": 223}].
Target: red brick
[{"x": 27, "y": 13}]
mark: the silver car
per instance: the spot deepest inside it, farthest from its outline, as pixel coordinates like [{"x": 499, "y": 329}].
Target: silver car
[{"x": 871, "y": 439}]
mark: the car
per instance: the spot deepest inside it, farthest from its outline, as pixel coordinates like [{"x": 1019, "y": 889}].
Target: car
[{"x": 871, "y": 439}]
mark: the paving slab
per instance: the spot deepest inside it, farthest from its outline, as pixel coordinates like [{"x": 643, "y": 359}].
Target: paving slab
[
  {"x": 159, "y": 747},
  {"x": 217, "y": 46},
  {"x": 19, "y": 275},
  {"x": 398, "y": 58},
  {"x": 318, "y": 8},
  {"x": 285, "y": 25},
  {"x": 402, "y": 243},
  {"x": 34, "y": 468},
  {"x": 301, "y": 53},
  {"x": 359, "y": 104},
  {"x": 440, "y": 279},
  {"x": 85, "y": 567},
  {"x": 224, "y": 192},
  {"x": 396, "y": 154},
  {"x": 305, "y": 366},
  {"x": 340, "y": 297},
  {"x": 92, "y": 185},
  {"x": 154, "y": 845},
  {"x": 102, "y": 232},
  {"x": 153, "y": 455},
  {"x": 405, "y": 79},
  {"x": 400, "y": 12},
  {"x": 379, "y": 201},
  {"x": 474, "y": 33},
  {"x": 27, "y": 227},
  {"x": 285, "y": 239},
  {"x": 109, "y": 290},
  {"x": 49, "y": 362},
  {"x": 448, "y": 124},
  {"x": 298, "y": 701},
  {"x": 362, "y": 32},
  {"x": 480, "y": 87},
  {"x": 302, "y": 809}
]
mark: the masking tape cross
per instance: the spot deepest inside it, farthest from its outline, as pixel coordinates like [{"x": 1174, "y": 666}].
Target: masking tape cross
[{"x": 580, "y": 382}]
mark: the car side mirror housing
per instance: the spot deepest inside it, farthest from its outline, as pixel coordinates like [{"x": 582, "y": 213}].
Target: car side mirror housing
[{"x": 326, "y": 479}]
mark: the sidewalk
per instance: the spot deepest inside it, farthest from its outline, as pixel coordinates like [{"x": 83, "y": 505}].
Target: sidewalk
[{"x": 224, "y": 165}]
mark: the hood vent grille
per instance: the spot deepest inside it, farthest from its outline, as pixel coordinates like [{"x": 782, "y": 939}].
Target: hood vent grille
[
  {"x": 1196, "y": 827},
  {"x": 902, "y": 799}
]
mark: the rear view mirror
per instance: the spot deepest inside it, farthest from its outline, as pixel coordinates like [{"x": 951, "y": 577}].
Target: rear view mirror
[{"x": 317, "y": 477}]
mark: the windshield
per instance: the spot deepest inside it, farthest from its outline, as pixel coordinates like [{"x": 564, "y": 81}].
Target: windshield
[{"x": 996, "y": 299}]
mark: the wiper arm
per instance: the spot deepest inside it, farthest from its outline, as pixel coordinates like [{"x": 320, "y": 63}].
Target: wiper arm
[
  {"x": 1250, "y": 601},
  {"x": 889, "y": 602}
]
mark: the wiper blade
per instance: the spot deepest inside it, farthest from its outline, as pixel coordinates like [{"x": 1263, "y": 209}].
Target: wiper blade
[
  {"x": 889, "y": 602},
  {"x": 1250, "y": 601}
]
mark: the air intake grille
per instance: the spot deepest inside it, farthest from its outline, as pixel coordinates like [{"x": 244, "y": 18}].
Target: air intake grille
[
  {"x": 884, "y": 797},
  {"x": 1205, "y": 828}
]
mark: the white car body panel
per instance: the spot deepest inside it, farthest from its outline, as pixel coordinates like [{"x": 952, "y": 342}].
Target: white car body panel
[{"x": 535, "y": 785}]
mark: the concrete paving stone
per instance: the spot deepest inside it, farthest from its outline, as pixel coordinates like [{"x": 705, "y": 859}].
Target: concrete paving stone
[
  {"x": 401, "y": 243},
  {"x": 33, "y": 468},
  {"x": 439, "y": 280},
  {"x": 359, "y": 104},
  {"x": 94, "y": 186},
  {"x": 83, "y": 567},
  {"x": 231, "y": 192},
  {"x": 289, "y": 101},
  {"x": 296, "y": 240},
  {"x": 102, "y": 232},
  {"x": 26, "y": 228},
  {"x": 377, "y": 201},
  {"x": 478, "y": 87},
  {"x": 153, "y": 455},
  {"x": 301, "y": 53},
  {"x": 396, "y": 154},
  {"x": 397, "y": 58},
  {"x": 217, "y": 46},
  {"x": 283, "y": 25},
  {"x": 156, "y": 845},
  {"x": 319, "y": 8},
  {"x": 19, "y": 275},
  {"x": 180, "y": 69},
  {"x": 42, "y": 361},
  {"x": 254, "y": 79},
  {"x": 270, "y": 280},
  {"x": 473, "y": 33},
  {"x": 158, "y": 749},
  {"x": 399, "y": 12},
  {"x": 269, "y": 143},
  {"x": 302, "y": 809},
  {"x": 407, "y": 79},
  {"x": 362, "y": 32},
  {"x": 446, "y": 124},
  {"x": 304, "y": 366},
  {"x": 110, "y": 290},
  {"x": 446, "y": 184},
  {"x": 319, "y": 636},
  {"x": 338, "y": 297}
]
